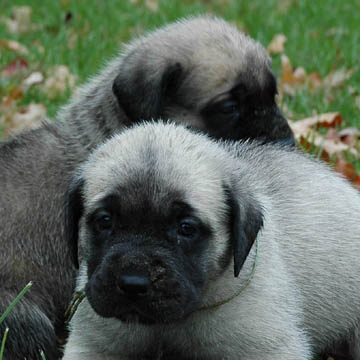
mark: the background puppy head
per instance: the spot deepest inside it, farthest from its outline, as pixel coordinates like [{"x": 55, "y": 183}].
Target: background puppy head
[
  {"x": 160, "y": 219},
  {"x": 205, "y": 73}
]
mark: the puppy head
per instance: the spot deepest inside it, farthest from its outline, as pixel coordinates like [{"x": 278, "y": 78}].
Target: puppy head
[
  {"x": 204, "y": 73},
  {"x": 159, "y": 221}
]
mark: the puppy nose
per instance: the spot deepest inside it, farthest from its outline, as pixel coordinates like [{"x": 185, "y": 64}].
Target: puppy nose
[{"x": 134, "y": 285}]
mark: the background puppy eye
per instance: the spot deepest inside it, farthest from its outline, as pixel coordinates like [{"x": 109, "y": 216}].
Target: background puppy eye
[
  {"x": 103, "y": 221},
  {"x": 229, "y": 108},
  {"x": 187, "y": 228}
]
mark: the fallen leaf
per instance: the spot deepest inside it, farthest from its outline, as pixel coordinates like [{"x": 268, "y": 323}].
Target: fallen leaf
[
  {"x": 59, "y": 79},
  {"x": 349, "y": 136},
  {"x": 277, "y": 44},
  {"x": 33, "y": 79},
  {"x": 314, "y": 81},
  {"x": 299, "y": 75},
  {"x": 15, "y": 66},
  {"x": 331, "y": 146},
  {"x": 287, "y": 75},
  {"x": 16, "y": 93},
  {"x": 14, "y": 46},
  {"x": 356, "y": 182},
  {"x": 287, "y": 80},
  {"x": 348, "y": 170},
  {"x": 152, "y": 5},
  {"x": 28, "y": 117},
  {"x": 20, "y": 21},
  {"x": 304, "y": 126},
  {"x": 337, "y": 78}
]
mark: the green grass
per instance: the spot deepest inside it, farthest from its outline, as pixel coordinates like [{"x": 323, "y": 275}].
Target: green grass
[
  {"x": 322, "y": 35},
  {"x": 6, "y": 313}
]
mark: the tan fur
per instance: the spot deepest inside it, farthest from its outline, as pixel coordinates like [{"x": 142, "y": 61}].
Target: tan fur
[
  {"x": 172, "y": 72},
  {"x": 305, "y": 292}
]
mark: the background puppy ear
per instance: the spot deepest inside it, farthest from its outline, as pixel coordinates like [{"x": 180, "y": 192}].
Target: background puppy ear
[
  {"x": 246, "y": 220},
  {"x": 74, "y": 208},
  {"x": 142, "y": 92}
]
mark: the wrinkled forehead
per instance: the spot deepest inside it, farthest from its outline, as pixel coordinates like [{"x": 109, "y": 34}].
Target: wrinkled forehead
[
  {"x": 155, "y": 181},
  {"x": 220, "y": 67}
]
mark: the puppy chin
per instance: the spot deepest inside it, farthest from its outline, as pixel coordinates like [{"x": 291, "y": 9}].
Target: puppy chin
[{"x": 149, "y": 310}]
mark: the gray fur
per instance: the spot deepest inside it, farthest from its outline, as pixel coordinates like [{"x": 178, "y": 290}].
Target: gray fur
[
  {"x": 174, "y": 72},
  {"x": 305, "y": 291}
]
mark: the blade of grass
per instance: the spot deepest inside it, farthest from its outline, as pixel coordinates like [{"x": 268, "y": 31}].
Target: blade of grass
[
  {"x": 17, "y": 299},
  {"x": 3, "y": 343}
]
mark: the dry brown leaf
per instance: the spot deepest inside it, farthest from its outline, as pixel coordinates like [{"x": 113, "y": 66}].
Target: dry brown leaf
[
  {"x": 349, "y": 136},
  {"x": 304, "y": 126},
  {"x": 20, "y": 21},
  {"x": 356, "y": 182},
  {"x": 290, "y": 79},
  {"x": 348, "y": 170},
  {"x": 287, "y": 80},
  {"x": 59, "y": 79},
  {"x": 277, "y": 44},
  {"x": 299, "y": 75},
  {"x": 337, "y": 78},
  {"x": 33, "y": 79},
  {"x": 14, "y": 46},
  {"x": 152, "y": 5},
  {"x": 28, "y": 117},
  {"x": 16, "y": 93},
  {"x": 314, "y": 80},
  {"x": 287, "y": 75},
  {"x": 14, "y": 67},
  {"x": 331, "y": 146}
]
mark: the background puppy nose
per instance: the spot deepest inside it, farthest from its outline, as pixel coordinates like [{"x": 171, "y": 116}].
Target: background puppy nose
[{"x": 134, "y": 285}]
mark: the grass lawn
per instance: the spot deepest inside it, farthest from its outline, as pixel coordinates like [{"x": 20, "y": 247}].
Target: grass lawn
[{"x": 322, "y": 37}]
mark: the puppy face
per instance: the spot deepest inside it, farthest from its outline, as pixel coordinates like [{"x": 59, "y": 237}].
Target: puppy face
[
  {"x": 215, "y": 79},
  {"x": 154, "y": 233},
  {"x": 146, "y": 261}
]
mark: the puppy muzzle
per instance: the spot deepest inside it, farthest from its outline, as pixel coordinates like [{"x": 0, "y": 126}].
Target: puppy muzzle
[{"x": 138, "y": 286}]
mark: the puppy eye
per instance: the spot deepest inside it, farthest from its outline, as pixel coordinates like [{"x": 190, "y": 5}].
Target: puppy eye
[
  {"x": 103, "y": 220},
  {"x": 228, "y": 107},
  {"x": 188, "y": 228}
]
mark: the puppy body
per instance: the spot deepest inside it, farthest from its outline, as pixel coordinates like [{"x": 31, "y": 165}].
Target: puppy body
[
  {"x": 304, "y": 293},
  {"x": 201, "y": 71}
]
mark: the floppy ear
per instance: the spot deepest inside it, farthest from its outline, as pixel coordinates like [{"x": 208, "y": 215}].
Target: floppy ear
[
  {"x": 246, "y": 220},
  {"x": 142, "y": 92},
  {"x": 73, "y": 211}
]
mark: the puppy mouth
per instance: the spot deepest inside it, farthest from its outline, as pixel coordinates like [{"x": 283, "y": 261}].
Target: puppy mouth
[
  {"x": 140, "y": 289},
  {"x": 135, "y": 316}
]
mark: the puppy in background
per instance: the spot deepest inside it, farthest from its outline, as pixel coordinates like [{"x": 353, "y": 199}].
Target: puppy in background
[
  {"x": 195, "y": 249},
  {"x": 201, "y": 72}
]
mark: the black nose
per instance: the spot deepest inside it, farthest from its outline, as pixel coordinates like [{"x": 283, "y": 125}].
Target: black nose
[{"x": 134, "y": 285}]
